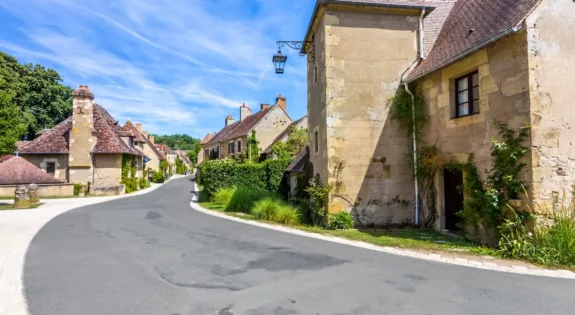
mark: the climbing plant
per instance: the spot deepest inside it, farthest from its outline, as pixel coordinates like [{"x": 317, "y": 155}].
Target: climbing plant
[{"x": 129, "y": 173}]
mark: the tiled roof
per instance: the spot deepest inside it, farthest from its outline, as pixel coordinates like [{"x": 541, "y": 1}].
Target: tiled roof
[
  {"x": 470, "y": 24},
  {"x": 300, "y": 161},
  {"x": 241, "y": 128},
  {"x": 16, "y": 170},
  {"x": 129, "y": 127},
  {"x": 207, "y": 138},
  {"x": 165, "y": 149},
  {"x": 185, "y": 158},
  {"x": 284, "y": 134},
  {"x": 56, "y": 140},
  {"x": 433, "y": 23},
  {"x": 153, "y": 147}
]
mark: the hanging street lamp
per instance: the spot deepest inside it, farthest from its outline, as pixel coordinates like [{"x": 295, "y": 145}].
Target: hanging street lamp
[{"x": 304, "y": 47}]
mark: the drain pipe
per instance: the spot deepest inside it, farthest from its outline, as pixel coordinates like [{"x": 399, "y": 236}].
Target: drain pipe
[
  {"x": 421, "y": 48},
  {"x": 415, "y": 167}
]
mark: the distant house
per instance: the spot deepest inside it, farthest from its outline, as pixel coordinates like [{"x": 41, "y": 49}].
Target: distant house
[
  {"x": 15, "y": 170},
  {"x": 87, "y": 147},
  {"x": 231, "y": 141},
  {"x": 168, "y": 154},
  {"x": 204, "y": 154},
  {"x": 184, "y": 157},
  {"x": 284, "y": 135},
  {"x": 153, "y": 157}
]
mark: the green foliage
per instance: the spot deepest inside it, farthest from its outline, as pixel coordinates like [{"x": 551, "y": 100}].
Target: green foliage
[
  {"x": 181, "y": 168},
  {"x": 164, "y": 167},
  {"x": 144, "y": 183},
  {"x": 213, "y": 175},
  {"x": 296, "y": 142},
  {"x": 158, "y": 177},
  {"x": 181, "y": 142},
  {"x": 12, "y": 126},
  {"x": 37, "y": 92},
  {"x": 223, "y": 196},
  {"x": 243, "y": 199},
  {"x": 77, "y": 188},
  {"x": 340, "y": 221},
  {"x": 516, "y": 241},
  {"x": 486, "y": 202},
  {"x": 275, "y": 210},
  {"x": 402, "y": 111},
  {"x": 319, "y": 196},
  {"x": 129, "y": 173},
  {"x": 252, "y": 154}
]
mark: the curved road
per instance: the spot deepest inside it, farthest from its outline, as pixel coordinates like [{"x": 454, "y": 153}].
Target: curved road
[{"x": 153, "y": 254}]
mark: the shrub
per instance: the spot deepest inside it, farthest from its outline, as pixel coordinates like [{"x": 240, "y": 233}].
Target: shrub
[
  {"x": 77, "y": 188},
  {"x": 273, "y": 209},
  {"x": 340, "y": 221},
  {"x": 243, "y": 199},
  {"x": 556, "y": 244},
  {"x": 213, "y": 175},
  {"x": 158, "y": 177},
  {"x": 144, "y": 183},
  {"x": 223, "y": 196}
]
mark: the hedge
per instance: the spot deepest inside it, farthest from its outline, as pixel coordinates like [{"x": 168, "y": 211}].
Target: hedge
[{"x": 268, "y": 175}]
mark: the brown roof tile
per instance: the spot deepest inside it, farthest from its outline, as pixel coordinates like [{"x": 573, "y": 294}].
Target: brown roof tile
[
  {"x": 16, "y": 170},
  {"x": 241, "y": 128},
  {"x": 129, "y": 127},
  {"x": 207, "y": 138},
  {"x": 487, "y": 19},
  {"x": 54, "y": 140}
]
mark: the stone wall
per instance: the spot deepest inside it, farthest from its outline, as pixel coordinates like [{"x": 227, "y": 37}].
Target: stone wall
[
  {"x": 63, "y": 190},
  {"x": 108, "y": 170},
  {"x": 551, "y": 49},
  {"x": 503, "y": 96},
  {"x": 364, "y": 55},
  {"x": 41, "y": 160},
  {"x": 154, "y": 162},
  {"x": 274, "y": 123}
]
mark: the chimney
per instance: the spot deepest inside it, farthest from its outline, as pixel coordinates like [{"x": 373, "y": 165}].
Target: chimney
[
  {"x": 229, "y": 120},
  {"x": 281, "y": 101},
  {"x": 145, "y": 134},
  {"x": 152, "y": 138},
  {"x": 264, "y": 106},
  {"x": 245, "y": 111},
  {"x": 82, "y": 136},
  {"x": 139, "y": 128}
]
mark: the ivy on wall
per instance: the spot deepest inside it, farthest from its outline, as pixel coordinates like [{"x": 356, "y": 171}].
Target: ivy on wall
[{"x": 129, "y": 173}]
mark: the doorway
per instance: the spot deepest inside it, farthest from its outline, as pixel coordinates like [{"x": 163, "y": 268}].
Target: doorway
[{"x": 453, "y": 188}]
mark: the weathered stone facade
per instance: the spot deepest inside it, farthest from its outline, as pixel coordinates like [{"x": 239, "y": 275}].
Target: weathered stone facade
[{"x": 360, "y": 58}]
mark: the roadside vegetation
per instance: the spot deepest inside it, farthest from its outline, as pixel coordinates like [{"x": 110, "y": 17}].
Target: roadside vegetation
[{"x": 10, "y": 206}]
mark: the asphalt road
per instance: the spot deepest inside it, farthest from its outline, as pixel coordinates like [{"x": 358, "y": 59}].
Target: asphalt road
[{"x": 153, "y": 254}]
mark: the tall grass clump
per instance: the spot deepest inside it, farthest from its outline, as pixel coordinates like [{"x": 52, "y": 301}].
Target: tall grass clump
[
  {"x": 243, "y": 199},
  {"x": 275, "y": 210},
  {"x": 223, "y": 196}
]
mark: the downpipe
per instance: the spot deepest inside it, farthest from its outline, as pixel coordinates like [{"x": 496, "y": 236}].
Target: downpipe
[{"x": 415, "y": 160}]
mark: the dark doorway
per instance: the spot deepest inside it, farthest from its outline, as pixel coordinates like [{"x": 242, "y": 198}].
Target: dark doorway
[{"x": 453, "y": 181}]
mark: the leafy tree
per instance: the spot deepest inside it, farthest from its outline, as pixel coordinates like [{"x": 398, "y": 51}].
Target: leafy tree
[
  {"x": 293, "y": 145},
  {"x": 181, "y": 142},
  {"x": 38, "y": 93},
  {"x": 12, "y": 127}
]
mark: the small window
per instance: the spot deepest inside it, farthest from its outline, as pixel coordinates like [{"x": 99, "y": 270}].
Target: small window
[
  {"x": 467, "y": 95},
  {"x": 131, "y": 142},
  {"x": 231, "y": 148},
  {"x": 315, "y": 73},
  {"x": 206, "y": 152},
  {"x": 240, "y": 146},
  {"x": 218, "y": 152},
  {"x": 51, "y": 168},
  {"x": 316, "y": 141}
]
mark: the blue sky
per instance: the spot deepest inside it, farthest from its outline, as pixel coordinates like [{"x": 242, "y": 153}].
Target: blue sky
[{"x": 176, "y": 66}]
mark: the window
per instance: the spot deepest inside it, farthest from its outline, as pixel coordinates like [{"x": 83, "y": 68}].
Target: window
[
  {"x": 315, "y": 73},
  {"x": 218, "y": 152},
  {"x": 131, "y": 142},
  {"x": 240, "y": 146},
  {"x": 206, "y": 153},
  {"x": 231, "y": 148},
  {"x": 51, "y": 168},
  {"x": 316, "y": 141},
  {"x": 467, "y": 95}
]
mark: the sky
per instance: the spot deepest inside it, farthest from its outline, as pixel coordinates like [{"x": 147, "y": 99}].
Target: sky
[{"x": 176, "y": 66}]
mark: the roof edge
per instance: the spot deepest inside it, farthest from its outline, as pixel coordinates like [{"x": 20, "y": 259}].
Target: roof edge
[
  {"x": 511, "y": 30},
  {"x": 319, "y": 3}
]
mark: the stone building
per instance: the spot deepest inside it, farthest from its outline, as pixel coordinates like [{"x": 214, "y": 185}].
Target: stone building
[
  {"x": 87, "y": 147},
  {"x": 231, "y": 141},
  {"x": 204, "y": 154},
  {"x": 473, "y": 61},
  {"x": 168, "y": 154},
  {"x": 284, "y": 135}
]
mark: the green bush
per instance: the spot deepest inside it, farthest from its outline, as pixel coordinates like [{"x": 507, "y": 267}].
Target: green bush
[
  {"x": 77, "y": 188},
  {"x": 223, "y": 196},
  {"x": 340, "y": 221},
  {"x": 243, "y": 199},
  {"x": 144, "y": 183},
  {"x": 213, "y": 175},
  {"x": 158, "y": 177},
  {"x": 273, "y": 209},
  {"x": 131, "y": 184},
  {"x": 555, "y": 245}
]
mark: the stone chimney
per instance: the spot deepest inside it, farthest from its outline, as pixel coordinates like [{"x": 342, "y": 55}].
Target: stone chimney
[
  {"x": 229, "y": 120},
  {"x": 145, "y": 134},
  {"x": 264, "y": 106},
  {"x": 281, "y": 101},
  {"x": 82, "y": 136},
  {"x": 139, "y": 128},
  {"x": 152, "y": 139},
  {"x": 245, "y": 111}
]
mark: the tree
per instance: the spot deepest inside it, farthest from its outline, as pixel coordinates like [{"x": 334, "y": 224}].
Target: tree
[
  {"x": 181, "y": 142},
  {"x": 296, "y": 141},
  {"x": 12, "y": 126},
  {"x": 193, "y": 153},
  {"x": 37, "y": 92}
]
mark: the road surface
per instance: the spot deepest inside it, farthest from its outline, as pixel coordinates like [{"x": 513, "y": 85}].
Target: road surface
[{"x": 153, "y": 254}]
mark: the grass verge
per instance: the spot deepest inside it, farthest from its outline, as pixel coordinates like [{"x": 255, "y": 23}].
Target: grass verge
[{"x": 10, "y": 206}]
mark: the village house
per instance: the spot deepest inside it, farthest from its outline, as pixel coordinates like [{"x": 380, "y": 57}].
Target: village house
[
  {"x": 184, "y": 157},
  {"x": 232, "y": 140},
  {"x": 204, "y": 154},
  {"x": 87, "y": 148},
  {"x": 472, "y": 61},
  {"x": 169, "y": 155},
  {"x": 153, "y": 156}
]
